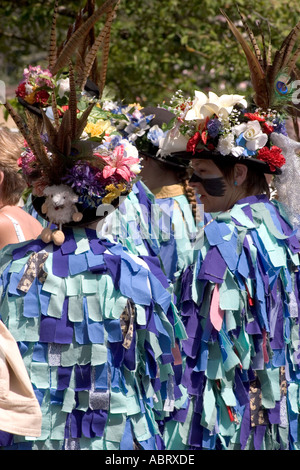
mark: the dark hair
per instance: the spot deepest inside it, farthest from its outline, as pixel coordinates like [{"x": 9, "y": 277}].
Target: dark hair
[{"x": 255, "y": 182}]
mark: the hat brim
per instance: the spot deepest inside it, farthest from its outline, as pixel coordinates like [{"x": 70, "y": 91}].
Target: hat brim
[
  {"x": 253, "y": 163},
  {"x": 89, "y": 213},
  {"x": 170, "y": 160}
]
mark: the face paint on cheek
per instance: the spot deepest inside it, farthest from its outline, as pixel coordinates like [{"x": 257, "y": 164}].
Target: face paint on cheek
[{"x": 213, "y": 186}]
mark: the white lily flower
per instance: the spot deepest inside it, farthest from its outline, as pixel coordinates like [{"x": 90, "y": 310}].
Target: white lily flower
[
  {"x": 195, "y": 113},
  {"x": 221, "y": 106},
  {"x": 172, "y": 142},
  {"x": 64, "y": 86}
]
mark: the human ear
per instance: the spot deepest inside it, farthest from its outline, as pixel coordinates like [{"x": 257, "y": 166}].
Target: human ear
[
  {"x": 1, "y": 177},
  {"x": 240, "y": 174}
]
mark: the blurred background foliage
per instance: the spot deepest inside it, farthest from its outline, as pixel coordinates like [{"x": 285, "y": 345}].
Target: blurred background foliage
[{"x": 157, "y": 46}]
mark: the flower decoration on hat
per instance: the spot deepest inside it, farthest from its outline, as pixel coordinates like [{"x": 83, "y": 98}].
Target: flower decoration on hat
[
  {"x": 222, "y": 126},
  {"x": 74, "y": 156}
]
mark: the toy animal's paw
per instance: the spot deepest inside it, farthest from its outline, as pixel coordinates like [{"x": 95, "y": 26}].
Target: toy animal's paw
[
  {"x": 46, "y": 235},
  {"x": 77, "y": 216},
  {"x": 44, "y": 208},
  {"x": 58, "y": 237}
]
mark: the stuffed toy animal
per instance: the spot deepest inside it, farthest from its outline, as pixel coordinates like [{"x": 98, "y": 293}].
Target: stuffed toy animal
[{"x": 60, "y": 208}]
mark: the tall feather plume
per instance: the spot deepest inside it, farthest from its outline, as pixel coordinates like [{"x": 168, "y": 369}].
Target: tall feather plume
[
  {"x": 53, "y": 46},
  {"x": 18, "y": 121},
  {"x": 263, "y": 71},
  {"x": 55, "y": 110},
  {"x": 82, "y": 121},
  {"x": 105, "y": 53},
  {"x": 256, "y": 71},
  {"x": 251, "y": 36},
  {"x": 63, "y": 141},
  {"x": 72, "y": 101},
  {"x": 92, "y": 54},
  {"x": 79, "y": 35},
  {"x": 37, "y": 145}
]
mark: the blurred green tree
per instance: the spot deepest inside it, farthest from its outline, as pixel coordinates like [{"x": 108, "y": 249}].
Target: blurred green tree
[{"x": 157, "y": 46}]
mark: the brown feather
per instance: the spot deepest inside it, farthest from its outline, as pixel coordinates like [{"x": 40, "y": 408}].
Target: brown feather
[
  {"x": 55, "y": 110},
  {"x": 53, "y": 46},
  {"x": 50, "y": 129},
  {"x": 290, "y": 43},
  {"x": 292, "y": 63},
  {"x": 72, "y": 102},
  {"x": 18, "y": 121},
  {"x": 82, "y": 121},
  {"x": 79, "y": 35},
  {"x": 64, "y": 134},
  {"x": 90, "y": 58},
  {"x": 251, "y": 37},
  {"x": 105, "y": 54},
  {"x": 257, "y": 74},
  {"x": 38, "y": 145}
]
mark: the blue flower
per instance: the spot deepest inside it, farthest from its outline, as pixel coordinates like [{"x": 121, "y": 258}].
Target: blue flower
[
  {"x": 279, "y": 127},
  {"x": 241, "y": 142},
  {"x": 213, "y": 127},
  {"x": 155, "y": 134}
]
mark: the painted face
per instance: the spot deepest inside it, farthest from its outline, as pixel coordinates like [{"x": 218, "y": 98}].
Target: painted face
[{"x": 210, "y": 184}]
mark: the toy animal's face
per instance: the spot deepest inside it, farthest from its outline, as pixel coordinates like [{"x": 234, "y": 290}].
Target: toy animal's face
[{"x": 59, "y": 201}]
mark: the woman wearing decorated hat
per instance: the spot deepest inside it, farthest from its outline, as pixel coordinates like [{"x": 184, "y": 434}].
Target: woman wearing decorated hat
[
  {"x": 241, "y": 309},
  {"x": 90, "y": 319},
  {"x": 166, "y": 174}
]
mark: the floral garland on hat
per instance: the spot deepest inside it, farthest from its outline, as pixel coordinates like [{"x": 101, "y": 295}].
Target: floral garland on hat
[
  {"x": 99, "y": 176},
  {"x": 222, "y": 124}
]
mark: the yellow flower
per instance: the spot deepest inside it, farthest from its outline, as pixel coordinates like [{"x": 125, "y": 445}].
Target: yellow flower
[
  {"x": 30, "y": 98},
  {"x": 99, "y": 128},
  {"x": 136, "y": 105},
  {"x": 113, "y": 192}
]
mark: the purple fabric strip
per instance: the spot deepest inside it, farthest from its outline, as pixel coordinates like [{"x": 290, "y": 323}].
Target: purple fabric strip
[
  {"x": 64, "y": 328},
  {"x": 274, "y": 414},
  {"x": 186, "y": 284},
  {"x": 47, "y": 329},
  {"x": 86, "y": 424},
  {"x": 60, "y": 265},
  {"x": 247, "y": 211},
  {"x": 259, "y": 434},
  {"x": 63, "y": 377},
  {"x": 245, "y": 426},
  {"x": 213, "y": 267},
  {"x": 154, "y": 266},
  {"x": 76, "y": 420},
  {"x": 69, "y": 246},
  {"x": 113, "y": 263},
  {"x": 33, "y": 246},
  {"x": 99, "y": 422},
  {"x": 82, "y": 377}
]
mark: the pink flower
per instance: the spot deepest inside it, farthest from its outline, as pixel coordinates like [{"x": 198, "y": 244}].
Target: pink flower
[{"x": 118, "y": 164}]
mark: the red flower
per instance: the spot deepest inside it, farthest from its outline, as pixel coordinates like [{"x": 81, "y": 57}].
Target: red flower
[
  {"x": 21, "y": 90},
  {"x": 42, "y": 97},
  {"x": 193, "y": 142},
  {"x": 211, "y": 147},
  {"x": 254, "y": 117},
  {"x": 204, "y": 137},
  {"x": 267, "y": 128},
  {"x": 273, "y": 157}
]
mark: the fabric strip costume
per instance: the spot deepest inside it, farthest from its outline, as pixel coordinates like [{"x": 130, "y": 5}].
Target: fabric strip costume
[
  {"x": 95, "y": 325},
  {"x": 240, "y": 301}
]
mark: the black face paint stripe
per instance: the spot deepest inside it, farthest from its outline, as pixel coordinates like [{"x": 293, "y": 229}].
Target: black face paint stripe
[{"x": 213, "y": 186}]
